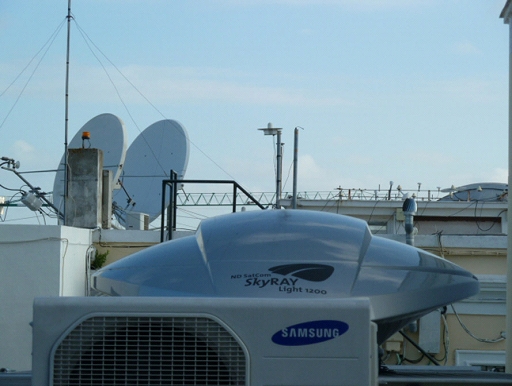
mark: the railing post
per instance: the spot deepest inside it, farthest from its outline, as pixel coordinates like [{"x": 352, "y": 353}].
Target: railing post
[
  {"x": 162, "y": 215},
  {"x": 234, "y": 198}
]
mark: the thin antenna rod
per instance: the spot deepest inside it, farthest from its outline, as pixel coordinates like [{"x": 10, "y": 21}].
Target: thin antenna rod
[{"x": 66, "y": 119}]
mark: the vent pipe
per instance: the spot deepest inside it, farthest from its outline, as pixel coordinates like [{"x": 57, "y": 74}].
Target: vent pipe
[
  {"x": 409, "y": 207},
  {"x": 506, "y": 15}
]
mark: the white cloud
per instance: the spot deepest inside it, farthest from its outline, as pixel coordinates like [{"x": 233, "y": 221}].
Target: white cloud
[
  {"x": 308, "y": 167},
  {"x": 499, "y": 175},
  {"x": 472, "y": 90},
  {"x": 165, "y": 84},
  {"x": 313, "y": 176},
  {"x": 467, "y": 48},
  {"x": 199, "y": 86},
  {"x": 365, "y": 5},
  {"x": 22, "y": 150},
  {"x": 431, "y": 158},
  {"x": 30, "y": 157}
]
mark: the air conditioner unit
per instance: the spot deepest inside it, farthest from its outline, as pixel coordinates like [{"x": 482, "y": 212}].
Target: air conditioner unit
[
  {"x": 203, "y": 341},
  {"x": 137, "y": 221}
]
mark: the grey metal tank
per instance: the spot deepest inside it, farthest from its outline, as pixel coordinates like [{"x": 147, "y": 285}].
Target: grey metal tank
[{"x": 293, "y": 254}]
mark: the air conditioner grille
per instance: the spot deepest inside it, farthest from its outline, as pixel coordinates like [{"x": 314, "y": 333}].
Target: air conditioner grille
[{"x": 119, "y": 350}]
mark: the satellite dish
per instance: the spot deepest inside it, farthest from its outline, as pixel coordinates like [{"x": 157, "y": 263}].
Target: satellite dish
[
  {"x": 106, "y": 132},
  {"x": 160, "y": 148},
  {"x": 293, "y": 254}
]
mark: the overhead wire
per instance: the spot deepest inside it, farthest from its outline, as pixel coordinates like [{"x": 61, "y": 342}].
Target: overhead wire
[
  {"x": 90, "y": 44},
  {"x": 44, "y": 50},
  {"x": 10, "y": 201},
  {"x": 47, "y": 44},
  {"x": 84, "y": 34},
  {"x": 288, "y": 175},
  {"x": 13, "y": 190},
  {"x": 478, "y": 222}
]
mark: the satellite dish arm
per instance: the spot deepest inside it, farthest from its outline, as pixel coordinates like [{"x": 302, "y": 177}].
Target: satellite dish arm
[{"x": 129, "y": 200}]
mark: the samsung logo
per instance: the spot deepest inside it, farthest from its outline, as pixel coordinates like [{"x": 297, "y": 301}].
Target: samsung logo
[{"x": 310, "y": 333}]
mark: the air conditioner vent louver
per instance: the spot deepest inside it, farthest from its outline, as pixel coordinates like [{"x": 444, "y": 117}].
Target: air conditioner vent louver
[{"x": 134, "y": 350}]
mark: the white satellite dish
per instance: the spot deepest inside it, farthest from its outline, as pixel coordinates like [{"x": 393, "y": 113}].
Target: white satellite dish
[
  {"x": 160, "y": 148},
  {"x": 107, "y": 132}
]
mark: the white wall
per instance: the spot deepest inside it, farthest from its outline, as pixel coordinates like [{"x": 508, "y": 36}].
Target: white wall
[{"x": 35, "y": 260}]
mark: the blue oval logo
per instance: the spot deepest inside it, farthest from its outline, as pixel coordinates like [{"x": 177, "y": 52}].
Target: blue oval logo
[{"x": 316, "y": 331}]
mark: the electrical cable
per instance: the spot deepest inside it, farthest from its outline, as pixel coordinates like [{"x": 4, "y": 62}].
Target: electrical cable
[
  {"x": 413, "y": 361},
  {"x": 478, "y": 223},
  {"x": 496, "y": 340},
  {"x": 42, "y": 216},
  {"x": 373, "y": 210},
  {"x": 439, "y": 240},
  {"x": 430, "y": 358},
  {"x": 470, "y": 204},
  {"x": 10, "y": 202},
  {"x": 327, "y": 203},
  {"x": 13, "y": 190},
  {"x": 446, "y": 337},
  {"x": 288, "y": 176},
  {"x": 193, "y": 215},
  {"x": 21, "y": 218}
]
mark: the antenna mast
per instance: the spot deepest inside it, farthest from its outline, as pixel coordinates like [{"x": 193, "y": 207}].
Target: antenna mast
[{"x": 66, "y": 117}]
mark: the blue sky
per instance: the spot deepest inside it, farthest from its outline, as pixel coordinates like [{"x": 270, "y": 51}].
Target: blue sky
[{"x": 403, "y": 90}]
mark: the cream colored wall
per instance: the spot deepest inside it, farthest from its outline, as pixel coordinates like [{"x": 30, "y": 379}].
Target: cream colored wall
[
  {"x": 120, "y": 244},
  {"x": 488, "y": 327},
  {"x": 116, "y": 252},
  {"x": 481, "y": 264},
  {"x": 483, "y": 326}
]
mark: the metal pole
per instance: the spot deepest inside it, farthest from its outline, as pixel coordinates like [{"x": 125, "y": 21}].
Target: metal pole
[
  {"x": 171, "y": 210},
  {"x": 174, "y": 176},
  {"x": 295, "y": 166},
  {"x": 66, "y": 119},
  {"x": 508, "y": 362},
  {"x": 234, "y": 198},
  {"x": 279, "y": 170},
  {"x": 162, "y": 215}
]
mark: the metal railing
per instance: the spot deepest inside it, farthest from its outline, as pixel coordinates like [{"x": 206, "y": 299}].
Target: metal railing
[
  {"x": 267, "y": 198},
  {"x": 172, "y": 184}
]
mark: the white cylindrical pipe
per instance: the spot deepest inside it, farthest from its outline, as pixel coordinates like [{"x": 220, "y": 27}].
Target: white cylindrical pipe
[
  {"x": 508, "y": 367},
  {"x": 295, "y": 167},
  {"x": 279, "y": 170}
]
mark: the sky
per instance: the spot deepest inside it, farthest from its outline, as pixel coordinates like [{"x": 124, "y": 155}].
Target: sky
[{"x": 409, "y": 91}]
